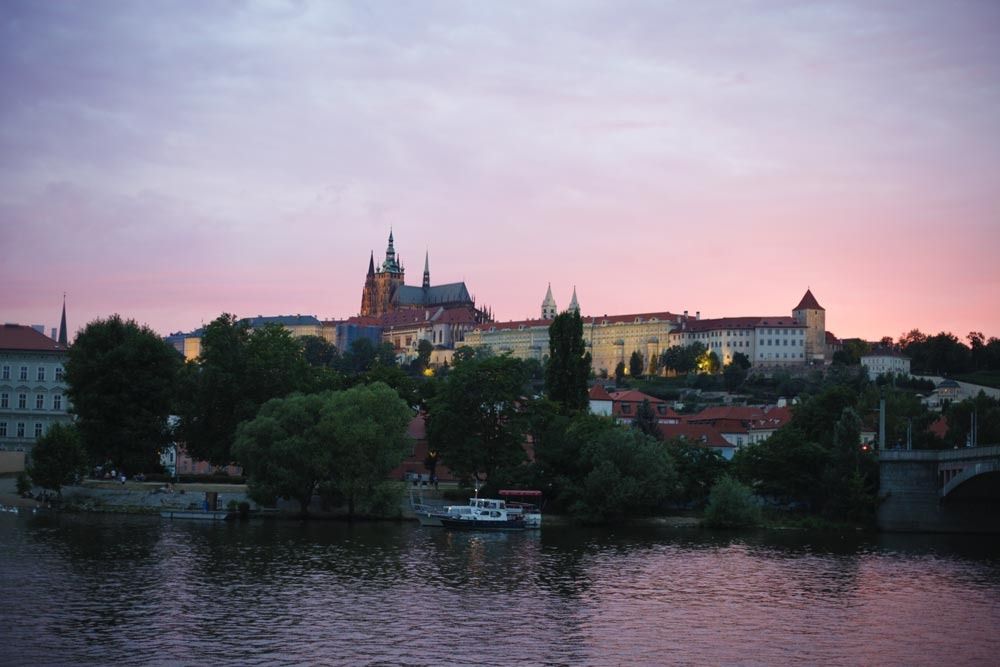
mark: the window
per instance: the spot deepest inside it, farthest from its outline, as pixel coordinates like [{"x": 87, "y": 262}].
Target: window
[
  {"x": 39, "y": 401},
  {"x": 57, "y": 402},
  {"x": 59, "y": 374},
  {"x": 20, "y": 429},
  {"x": 4, "y": 400},
  {"x": 24, "y": 372},
  {"x": 6, "y": 373},
  {"x": 3, "y": 429},
  {"x": 41, "y": 373},
  {"x": 626, "y": 408},
  {"x": 38, "y": 429},
  {"x": 22, "y": 401}
]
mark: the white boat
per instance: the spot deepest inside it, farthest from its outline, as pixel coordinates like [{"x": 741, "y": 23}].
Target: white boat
[
  {"x": 485, "y": 514},
  {"x": 197, "y": 515},
  {"x": 530, "y": 510},
  {"x": 430, "y": 515}
]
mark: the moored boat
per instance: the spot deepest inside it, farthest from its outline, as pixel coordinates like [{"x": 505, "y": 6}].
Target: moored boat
[{"x": 489, "y": 514}]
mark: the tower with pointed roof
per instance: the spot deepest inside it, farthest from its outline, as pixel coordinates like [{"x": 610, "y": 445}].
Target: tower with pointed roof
[
  {"x": 386, "y": 292},
  {"x": 812, "y": 316},
  {"x": 381, "y": 282},
  {"x": 62, "y": 324},
  {"x": 574, "y": 305},
  {"x": 549, "y": 310}
]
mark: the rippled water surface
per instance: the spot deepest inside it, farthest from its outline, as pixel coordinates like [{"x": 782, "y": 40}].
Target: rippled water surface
[{"x": 84, "y": 589}]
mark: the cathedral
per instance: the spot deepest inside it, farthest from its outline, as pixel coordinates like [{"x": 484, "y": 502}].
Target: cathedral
[{"x": 386, "y": 292}]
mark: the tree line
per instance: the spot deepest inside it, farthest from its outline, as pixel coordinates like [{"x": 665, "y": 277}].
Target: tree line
[{"x": 303, "y": 418}]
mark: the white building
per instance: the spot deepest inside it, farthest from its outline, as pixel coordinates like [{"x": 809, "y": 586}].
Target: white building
[
  {"x": 32, "y": 386},
  {"x": 885, "y": 362}
]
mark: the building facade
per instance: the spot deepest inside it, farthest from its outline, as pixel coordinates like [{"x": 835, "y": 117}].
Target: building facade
[
  {"x": 885, "y": 362},
  {"x": 32, "y": 386}
]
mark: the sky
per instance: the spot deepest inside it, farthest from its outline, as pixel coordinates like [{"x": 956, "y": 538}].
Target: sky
[{"x": 170, "y": 161}]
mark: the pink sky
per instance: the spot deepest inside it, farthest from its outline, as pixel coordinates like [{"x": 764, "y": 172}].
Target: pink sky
[{"x": 171, "y": 161}]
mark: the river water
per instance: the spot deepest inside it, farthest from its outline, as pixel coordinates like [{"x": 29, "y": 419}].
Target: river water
[{"x": 102, "y": 590}]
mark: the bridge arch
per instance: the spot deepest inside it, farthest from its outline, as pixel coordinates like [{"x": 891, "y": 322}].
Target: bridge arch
[{"x": 970, "y": 472}]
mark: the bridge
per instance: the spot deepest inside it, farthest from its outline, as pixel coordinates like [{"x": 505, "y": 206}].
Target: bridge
[{"x": 951, "y": 490}]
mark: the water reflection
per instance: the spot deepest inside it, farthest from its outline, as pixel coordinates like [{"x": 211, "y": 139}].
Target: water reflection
[{"x": 97, "y": 590}]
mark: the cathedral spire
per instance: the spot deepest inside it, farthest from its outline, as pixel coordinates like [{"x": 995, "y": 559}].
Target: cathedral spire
[
  {"x": 371, "y": 264},
  {"x": 62, "y": 324},
  {"x": 573, "y": 304},
  {"x": 391, "y": 264},
  {"x": 549, "y": 309},
  {"x": 427, "y": 270}
]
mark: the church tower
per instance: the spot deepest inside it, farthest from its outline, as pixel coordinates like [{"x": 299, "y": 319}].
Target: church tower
[
  {"x": 812, "y": 316},
  {"x": 427, "y": 271},
  {"x": 381, "y": 282},
  {"x": 574, "y": 305},
  {"x": 549, "y": 310}
]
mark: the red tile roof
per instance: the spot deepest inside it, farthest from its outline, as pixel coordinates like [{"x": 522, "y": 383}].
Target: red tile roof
[
  {"x": 628, "y": 319},
  {"x": 633, "y": 396},
  {"x": 599, "y": 393},
  {"x": 808, "y": 302},
  {"x": 697, "y": 433},
  {"x": 587, "y": 321},
  {"x": 20, "y": 337},
  {"x": 716, "y": 413},
  {"x": 939, "y": 427},
  {"x": 740, "y": 323}
]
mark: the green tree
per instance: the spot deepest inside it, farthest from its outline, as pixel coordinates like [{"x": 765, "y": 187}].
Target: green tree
[
  {"x": 698, "y": 468},
  {"x": 734, "y": 375},
  {"x": 731, "y": 505},
  {"x": 368, "y": 424},
  {"x": 635, "y": 364},
  {"x": 57, "y": 458},
  {"x": 684, "y": 359},
  {"x": 122, "y": 378},
  {"x": 624, "y": 472},
  {"x": 569, "y": 362},
  {"x": 645, "y": 420},
  {"x": 424, "y": 351},
  {"x": 709, "y": 363},
  {"x": 620, "y": 373},
  {"x": 287, "y": 449},
  {"x": 318, "y": 352},
  {"x": 239, "y": 370},
  {"x": 474, "y": 420}
]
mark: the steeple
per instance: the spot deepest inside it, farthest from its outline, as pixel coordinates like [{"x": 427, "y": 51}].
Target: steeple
[
  {"x": 427, "y": 270},
  {"x": 390, "y": 263},
  {"x": 371, "y": 264},
  {"x": 549, "y": 309},
  {"x": 62, "y": 324},
  {"x": 573, "y": 304}
]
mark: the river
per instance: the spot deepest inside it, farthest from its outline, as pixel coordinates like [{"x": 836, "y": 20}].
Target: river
[{"x": 103, "y": 590}]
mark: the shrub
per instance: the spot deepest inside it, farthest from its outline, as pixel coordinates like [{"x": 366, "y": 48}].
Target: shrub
[
  {"x": 731, "y": 505},
  {"x": 23, "y": 484}
]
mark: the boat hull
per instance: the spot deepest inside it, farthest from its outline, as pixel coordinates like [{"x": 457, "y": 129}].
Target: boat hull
[
  {"x": 196, "y": 515},
  {"x": 505, "y": 526}
]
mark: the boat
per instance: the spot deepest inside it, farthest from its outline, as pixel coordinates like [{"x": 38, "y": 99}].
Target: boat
[
  {"x": 430, "y": 515},
  {"x": 200, "y": 515},
  {"x": 530, "y": 510},
  {"x": 485, "y": 514}
]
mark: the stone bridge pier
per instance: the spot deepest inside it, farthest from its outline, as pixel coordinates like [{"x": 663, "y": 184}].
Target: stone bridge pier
[{"x": 952, "y": 490}]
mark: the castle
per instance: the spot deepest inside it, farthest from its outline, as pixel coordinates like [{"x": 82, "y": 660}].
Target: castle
[{"x": 386, "y": 291}]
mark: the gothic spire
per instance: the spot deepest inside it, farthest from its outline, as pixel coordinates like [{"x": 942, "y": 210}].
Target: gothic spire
[
  {"x": 62, "y": 324},
  {"x": 427, "y": 270},
  {"x": 549, "y": 309},
  {"x": 573, "y": 304},
  {"x": 371, "y": 264}
]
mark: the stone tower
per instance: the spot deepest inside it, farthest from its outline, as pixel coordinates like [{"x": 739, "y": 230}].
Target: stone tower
[
  {"x": 812, "y": 316},
  {"x": 574, "y": 305},
  {"x": 549, "y": 310},
  {"x": 382, "y": 282}
]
